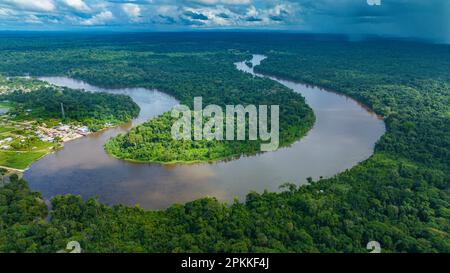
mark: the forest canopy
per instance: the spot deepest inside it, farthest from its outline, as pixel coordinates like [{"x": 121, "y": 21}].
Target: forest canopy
[
  {"x": 398, "y": 197},
  {"x": 94, "y": 110}
]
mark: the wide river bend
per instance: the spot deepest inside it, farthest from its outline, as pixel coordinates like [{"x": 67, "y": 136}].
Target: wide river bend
[{"x": 344, "y": 134}]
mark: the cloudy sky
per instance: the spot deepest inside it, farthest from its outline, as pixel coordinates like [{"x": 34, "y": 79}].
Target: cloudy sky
[{"x": 429, "y": 19}]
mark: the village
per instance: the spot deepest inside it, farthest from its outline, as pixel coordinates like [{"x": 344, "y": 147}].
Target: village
[
  {"x": 61, "y": 133},
  {"x": 16, "y": 133},
  {"x": 28, "y": 132}
]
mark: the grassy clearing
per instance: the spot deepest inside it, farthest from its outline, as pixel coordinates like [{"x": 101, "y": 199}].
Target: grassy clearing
[
  {"x": 4, "y": 129},
  {"x": 24, "y": 152},
  {"x": 19, "y": 160}
]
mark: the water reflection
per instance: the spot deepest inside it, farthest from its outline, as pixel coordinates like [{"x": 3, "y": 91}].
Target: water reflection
[{"x": 343, "y": 135}]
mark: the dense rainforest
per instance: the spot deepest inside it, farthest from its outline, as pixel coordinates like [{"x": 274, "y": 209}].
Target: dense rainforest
[
  {"x": 399, "y": 196},
  {"x": 151, "y": 64},
  {"x": 215, "y": 79},
  {"x": 91, "y": 109}
]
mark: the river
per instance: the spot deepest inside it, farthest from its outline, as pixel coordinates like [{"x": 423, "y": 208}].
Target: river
[{"x": 344, "y": 134}]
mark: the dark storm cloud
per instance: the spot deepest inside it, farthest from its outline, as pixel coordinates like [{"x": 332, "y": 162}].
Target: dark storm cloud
[
  {"x": 429, "y": 19},
  {"x": 253, "y": 19},
  {"x": 276, "y": 18},
  {"x": 223, "y": 15},
  {"x": 196, "y": 16},
  {"x": 189, "y": 22},
  {"x": 168, "y": 19}
]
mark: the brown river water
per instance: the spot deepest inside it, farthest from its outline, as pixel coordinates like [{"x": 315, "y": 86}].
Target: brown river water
[{"x": 344, "y": 134}]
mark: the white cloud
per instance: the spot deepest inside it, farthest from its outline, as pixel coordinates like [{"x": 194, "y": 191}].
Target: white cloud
[
  {"x": 413, "y": 18},
  {"x": 78, "y": 5},
  {"x": 34, "y": 5},
  {"x": 165, "y": 9},
  {"x": 33, "y": 19},
  {"x": 252, "y": 11},
  {"x": 216, "y": 15},
  {"x": 99, "y": 19},
  {"x": 5, "y": 12},
  {"x": 132, "y": 10}
]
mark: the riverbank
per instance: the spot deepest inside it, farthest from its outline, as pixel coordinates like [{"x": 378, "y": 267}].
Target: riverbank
[
  {"x": 152, "y": 141},
  {"x": 42, "y": 117},
  {"x": 194, "y": 162},
  {"x": 396, "y": 196},
  {"x": 344, "y": 135},
  {"x": 45, "y": 140},
  {"x": 22, "y": 143}
]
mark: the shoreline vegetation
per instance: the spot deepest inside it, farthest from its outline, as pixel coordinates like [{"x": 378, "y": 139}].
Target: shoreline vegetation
[
  {"x": 398, "y": 197},
  {"x": 42, "y": 117},
  {"x": 209, "y": 161},
  {"x": 152, "y": 141}
]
